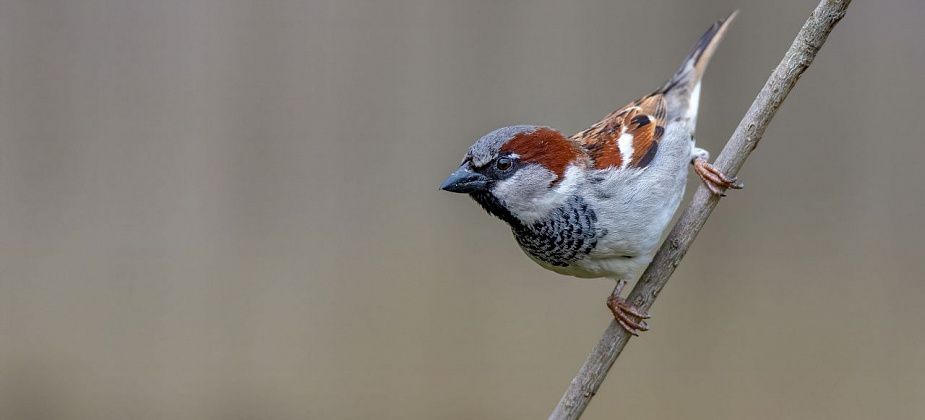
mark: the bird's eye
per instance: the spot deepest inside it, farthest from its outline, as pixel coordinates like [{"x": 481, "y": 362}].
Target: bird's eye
[{"x": 503, "y": 164}]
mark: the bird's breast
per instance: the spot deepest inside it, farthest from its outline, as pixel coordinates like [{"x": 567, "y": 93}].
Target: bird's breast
[{"x": 569, "y": 234}]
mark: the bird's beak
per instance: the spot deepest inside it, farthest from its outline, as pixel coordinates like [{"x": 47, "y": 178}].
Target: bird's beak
[{"x": 464, "y": 180}]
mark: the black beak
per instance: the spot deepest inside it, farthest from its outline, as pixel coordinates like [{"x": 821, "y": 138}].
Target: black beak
[{"x": 464, "y": 180}]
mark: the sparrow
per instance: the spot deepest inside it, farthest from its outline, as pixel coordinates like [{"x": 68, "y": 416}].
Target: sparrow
[{"x": 596, "y": 204}]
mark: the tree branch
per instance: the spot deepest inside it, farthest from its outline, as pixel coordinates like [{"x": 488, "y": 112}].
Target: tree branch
[{"x": 744, "y": 140}]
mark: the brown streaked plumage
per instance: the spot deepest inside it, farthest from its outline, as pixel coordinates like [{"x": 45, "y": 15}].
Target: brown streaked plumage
[{"x": 644, "y": 119}]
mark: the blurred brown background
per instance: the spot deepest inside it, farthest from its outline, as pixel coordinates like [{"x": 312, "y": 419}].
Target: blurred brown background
[{"x": 229, "y": 210}]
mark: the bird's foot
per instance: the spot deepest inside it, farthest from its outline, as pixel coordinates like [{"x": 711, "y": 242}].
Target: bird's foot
[
  {"x": 631, "y": 318},
  {"x": 713, "y": 178}
]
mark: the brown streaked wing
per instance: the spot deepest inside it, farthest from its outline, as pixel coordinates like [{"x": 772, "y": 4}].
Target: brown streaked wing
[{"x": 644, "y": 119}]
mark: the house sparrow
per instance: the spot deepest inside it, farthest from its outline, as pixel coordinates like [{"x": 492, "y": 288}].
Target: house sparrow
[{"x": 596, "y": 204}]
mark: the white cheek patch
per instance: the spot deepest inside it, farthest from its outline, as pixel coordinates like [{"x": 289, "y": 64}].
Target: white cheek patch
[
  {"x": 527, "y": 195},
  {"x": 625, "y": 144},
  {"x": 570, "y": 180}
]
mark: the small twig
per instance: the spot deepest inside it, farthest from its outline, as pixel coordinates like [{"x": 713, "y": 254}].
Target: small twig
[{"x": 744, "y": 140}]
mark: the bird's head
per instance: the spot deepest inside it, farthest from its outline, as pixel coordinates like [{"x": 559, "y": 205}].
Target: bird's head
[{"x": 518, "y": 173}]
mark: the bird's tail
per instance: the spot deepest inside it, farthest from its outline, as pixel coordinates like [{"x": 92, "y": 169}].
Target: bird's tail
[{"x": 683, "y": 89}]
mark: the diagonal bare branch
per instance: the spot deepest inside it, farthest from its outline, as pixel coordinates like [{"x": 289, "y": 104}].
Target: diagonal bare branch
[{"x": 743, "y": 141}]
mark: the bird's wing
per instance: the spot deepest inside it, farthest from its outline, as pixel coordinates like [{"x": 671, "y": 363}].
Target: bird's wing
[{"x": 627, "y": 137}]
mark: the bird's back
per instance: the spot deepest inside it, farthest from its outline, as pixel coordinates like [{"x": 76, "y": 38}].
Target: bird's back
[{"x": 640, "y": 155}]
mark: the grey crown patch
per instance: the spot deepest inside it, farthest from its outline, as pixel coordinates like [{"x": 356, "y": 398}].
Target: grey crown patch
[{"x": 487, "y": 147}]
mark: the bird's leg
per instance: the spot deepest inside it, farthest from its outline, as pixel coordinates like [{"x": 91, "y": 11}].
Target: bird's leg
[
  {"x": 630, "y": 317},
  {"x": 713, "y": 178}
]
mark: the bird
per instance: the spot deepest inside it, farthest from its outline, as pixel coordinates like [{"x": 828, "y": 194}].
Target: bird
[{"x": 595, "y": 204}]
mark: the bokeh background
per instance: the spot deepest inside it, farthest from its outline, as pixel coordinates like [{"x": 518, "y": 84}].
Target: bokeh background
[{"x": 229, "y": 210}]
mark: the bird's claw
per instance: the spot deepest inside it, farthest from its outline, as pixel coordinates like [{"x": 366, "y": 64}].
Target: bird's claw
[
  {"x": 715, "y": 180},
  {"x": 631, "y": 318}
]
